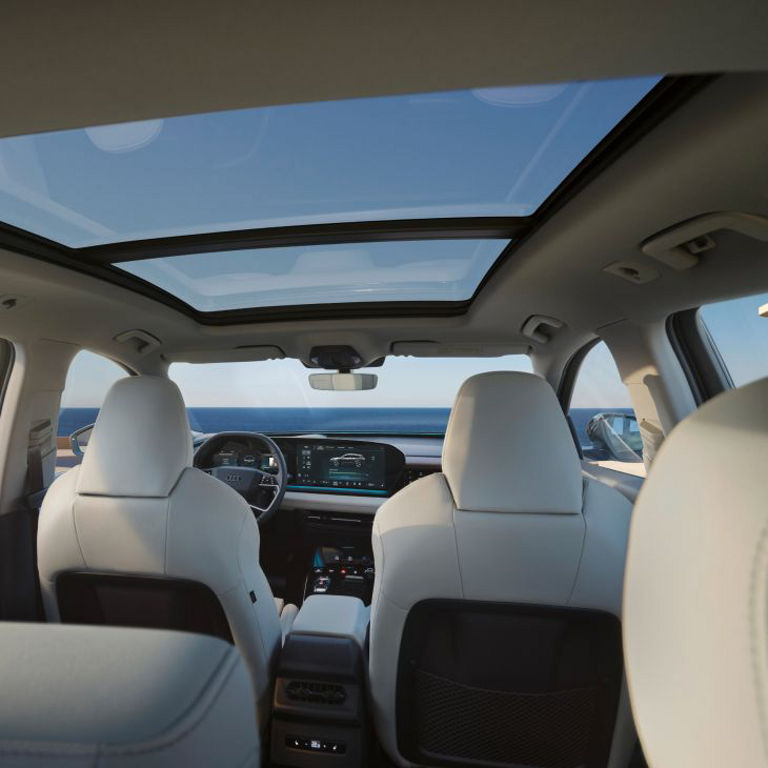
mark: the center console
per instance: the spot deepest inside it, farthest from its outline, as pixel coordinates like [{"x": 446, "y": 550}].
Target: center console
[
  {"x": 341, "y": 571},
  {"x": 320, "y": 711}
]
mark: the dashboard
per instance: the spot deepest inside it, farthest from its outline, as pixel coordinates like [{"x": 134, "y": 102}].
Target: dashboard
[
  {"x": 243, "y": 452},
  {"x": 340, "y": 467},
  {"x": 318, "y": 465}
]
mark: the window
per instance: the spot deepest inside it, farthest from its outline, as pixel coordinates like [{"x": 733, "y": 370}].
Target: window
[
  {"x": 88, "y": 379},
  {"x": 602, "y": 415},
  {"x": 422, "y": 270},
  {"x": 480, "y": 152},
  {"x": 739, "y": 329},
  {"x": 414, "y": 395}
]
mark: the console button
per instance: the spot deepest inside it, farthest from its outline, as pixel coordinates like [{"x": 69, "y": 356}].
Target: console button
[{"x": 315, "y": 745}]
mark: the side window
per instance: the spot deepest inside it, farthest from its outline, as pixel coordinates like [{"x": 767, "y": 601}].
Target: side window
[
  {"x": 602, "y": 415},
  {"x": 739, "y": 329},
  {"x": 88, "y": 379}
]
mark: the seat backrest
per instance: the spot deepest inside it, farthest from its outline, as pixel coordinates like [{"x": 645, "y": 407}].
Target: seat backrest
[
  {"x": 100, "y": 696},
  {"x": 136, "y": 514},
  {"x": 696, "y": 590},
  {"x": 494, "y": 624}
]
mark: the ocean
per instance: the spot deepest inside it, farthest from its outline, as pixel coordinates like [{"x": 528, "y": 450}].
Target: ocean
[{"x": 384, "y": 421}]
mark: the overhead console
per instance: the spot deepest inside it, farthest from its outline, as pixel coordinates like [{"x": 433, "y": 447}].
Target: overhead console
[{"x": 323, "y": 465}]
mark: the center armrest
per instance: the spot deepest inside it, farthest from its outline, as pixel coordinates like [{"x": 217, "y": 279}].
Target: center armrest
[{"x": 339, "y": 615}]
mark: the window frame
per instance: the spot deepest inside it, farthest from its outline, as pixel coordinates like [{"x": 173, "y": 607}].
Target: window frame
[
  {"x": 564, "y": 394},
  {"x": 698, "y": 355}
]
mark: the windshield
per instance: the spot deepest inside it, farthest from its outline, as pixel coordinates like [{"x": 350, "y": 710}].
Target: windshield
[{"x": 413, "y": 396}]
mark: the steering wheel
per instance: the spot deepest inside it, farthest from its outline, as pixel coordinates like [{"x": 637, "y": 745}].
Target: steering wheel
[{"x": 262, "y": 490}]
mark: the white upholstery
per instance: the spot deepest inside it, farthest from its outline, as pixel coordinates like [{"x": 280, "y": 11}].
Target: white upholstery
[
  {"x": 507, "y": 431},
  {"x": 696, "y": 590},
  {"x": 334, "y": 615},
  {"x": 123, "y": 698},
  {"x": 142, "y": 441},
  {"x": 136, "y": 507},
  {"x": 539, "y": 532},
  {"x": 287, "y": 613}
]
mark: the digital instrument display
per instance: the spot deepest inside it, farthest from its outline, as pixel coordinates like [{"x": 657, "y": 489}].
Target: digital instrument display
[
  {"x": 335, "y": 465},
  {"x": 244, "y": 454}
]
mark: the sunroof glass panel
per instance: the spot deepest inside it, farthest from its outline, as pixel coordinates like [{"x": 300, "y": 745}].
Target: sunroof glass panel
[
  {"x": 423, "y": 270},
  {"x": 481, "y": 152}
]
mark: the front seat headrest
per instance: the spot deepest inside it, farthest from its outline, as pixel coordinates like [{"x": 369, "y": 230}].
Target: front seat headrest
[
  {"x": 141, "y": 442},
  {"x": 696, "y": 590},
  {"x": 508, "y": 447}
]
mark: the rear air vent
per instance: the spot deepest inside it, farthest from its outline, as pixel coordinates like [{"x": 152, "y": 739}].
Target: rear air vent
[{"x": 316, "y": 693}]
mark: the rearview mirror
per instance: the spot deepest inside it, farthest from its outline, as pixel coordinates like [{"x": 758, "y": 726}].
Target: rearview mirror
[
  {"x": 343, "y": 382},
  {"x": 79, "y": 439}
]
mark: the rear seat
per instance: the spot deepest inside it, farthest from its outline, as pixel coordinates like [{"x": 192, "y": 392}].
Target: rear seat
[{"x": 106, "y": 696}]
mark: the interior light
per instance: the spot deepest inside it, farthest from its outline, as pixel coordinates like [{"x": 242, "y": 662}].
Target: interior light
[
  {"x": 519, "y": 96},
  {"x": 125, "y": 137}
]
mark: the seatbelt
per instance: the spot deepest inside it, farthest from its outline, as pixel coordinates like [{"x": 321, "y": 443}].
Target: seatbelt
[
  {"x": 35, "y": 486},
  {"x": 22, "y": 588},
  {"x": 41, "y": 450}
]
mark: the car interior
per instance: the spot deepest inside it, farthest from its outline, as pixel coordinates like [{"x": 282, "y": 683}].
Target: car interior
[{"x": 384, "y": 385}]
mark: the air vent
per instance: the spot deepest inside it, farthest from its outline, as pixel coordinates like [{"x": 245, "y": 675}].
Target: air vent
[{"x": 316, "y": 693}]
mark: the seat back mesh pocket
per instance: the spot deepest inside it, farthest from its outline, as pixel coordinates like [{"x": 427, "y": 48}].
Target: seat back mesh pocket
[{"x": 507, "y": 685}]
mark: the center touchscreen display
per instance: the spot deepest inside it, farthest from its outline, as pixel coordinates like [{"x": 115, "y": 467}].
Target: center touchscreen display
[{"x": 357, "y": 467}]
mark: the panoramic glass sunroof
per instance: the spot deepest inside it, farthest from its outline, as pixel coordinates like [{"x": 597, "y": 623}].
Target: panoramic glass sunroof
[
  {"x": 417, "y": 270},
  {"x": 481, "y": 152}
]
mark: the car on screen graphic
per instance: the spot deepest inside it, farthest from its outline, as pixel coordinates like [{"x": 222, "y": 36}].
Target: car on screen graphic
[{"x": 347, "y": 460}]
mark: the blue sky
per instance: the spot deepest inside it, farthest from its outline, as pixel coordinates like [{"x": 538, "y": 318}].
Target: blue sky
[
  {"x": 487, "y": 151},
  {"x": 740, "y": 335}
]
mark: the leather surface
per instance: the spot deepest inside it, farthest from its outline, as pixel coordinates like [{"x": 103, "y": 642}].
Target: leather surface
[
  {"x": 141, "y": 441},
  {"x": 696, "y": 594},
  {"x": 288, "y": 616},
  {"x": 202, "y": 530},
  {"x": 508, "y": 448},
  {"x": 102, "y": 696},
  {"x": 427, "y": 546},
  {"x": 334, "y": 615}
]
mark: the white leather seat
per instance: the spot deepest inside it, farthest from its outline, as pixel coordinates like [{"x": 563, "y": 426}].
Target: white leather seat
[
  {"x": 462, "y": 560},
  {"x": 123, "y": 698},
  {"x": 136, "y": 507},
  {"x": 696, "y": 590}
]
